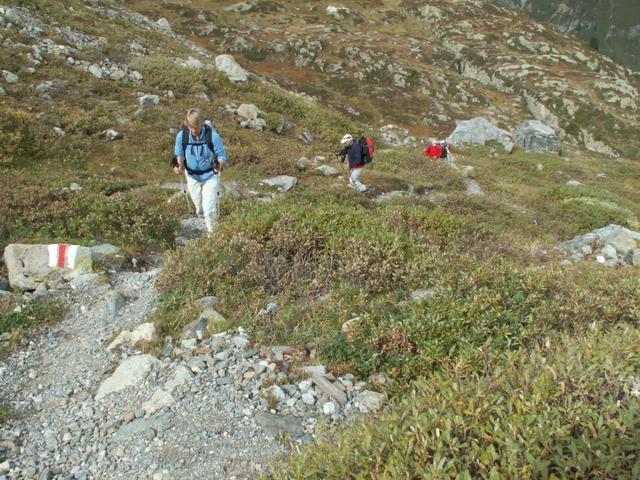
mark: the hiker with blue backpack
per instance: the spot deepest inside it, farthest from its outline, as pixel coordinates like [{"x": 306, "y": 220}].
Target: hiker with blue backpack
[
  {"x": 199, "y": 152},
  {"x": 359, "y": 153}
]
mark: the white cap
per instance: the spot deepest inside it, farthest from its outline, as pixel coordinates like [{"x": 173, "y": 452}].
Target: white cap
[{"x": 346, "y": 138}]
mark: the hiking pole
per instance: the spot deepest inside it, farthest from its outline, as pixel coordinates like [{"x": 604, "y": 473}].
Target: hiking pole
[{"x": 186, "y": 195}]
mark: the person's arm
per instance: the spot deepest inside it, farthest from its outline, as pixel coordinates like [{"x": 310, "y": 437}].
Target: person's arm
[
  {"x": 218, "y": 148},
  {"x": 342, "y": 153},
  {"x": 178, "y": 151}
]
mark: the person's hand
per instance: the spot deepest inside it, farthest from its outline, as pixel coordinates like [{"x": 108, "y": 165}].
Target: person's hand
[
  {"x": 218, "y": 167},
  {"x": 178, "y": 169}
]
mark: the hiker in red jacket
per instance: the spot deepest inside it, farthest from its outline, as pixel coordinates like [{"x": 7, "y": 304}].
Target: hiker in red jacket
[{"x": 437, "y": 149}]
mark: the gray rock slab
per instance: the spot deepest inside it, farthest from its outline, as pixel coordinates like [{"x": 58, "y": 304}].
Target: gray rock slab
[
  {"x": 622, "y": 241},
  {"x": 276, "y": 424},
  {"x": 136, "y": 428},
  {"x": 329, "y": 389},
  {"x": 479, "y": 130},
  {"x": 129, "y": 373},
  {"x": 535, "y": 136},
  {"x": 283, "y": 183},
  {"x": 233, "y": 71}
]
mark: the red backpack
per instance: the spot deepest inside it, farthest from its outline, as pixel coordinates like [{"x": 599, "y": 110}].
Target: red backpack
[{"x": 367, "y": 149}]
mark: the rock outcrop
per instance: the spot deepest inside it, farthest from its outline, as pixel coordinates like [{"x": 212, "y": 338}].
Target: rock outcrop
[{"x": 31, "y": 265}]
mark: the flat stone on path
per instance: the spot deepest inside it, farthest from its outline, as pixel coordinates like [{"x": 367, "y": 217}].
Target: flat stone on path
[
  {"x": 131, "y": 372},
  {"x": 275, "y": 424},
  {"x": 137, "y": 427}
]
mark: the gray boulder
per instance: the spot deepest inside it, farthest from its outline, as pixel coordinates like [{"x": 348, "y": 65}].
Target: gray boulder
[
  {"x": 30, "y": 265},
  {"x": 634, "y": 257},
  {"x": 248, "y": 111},
  {"x": 283, "y": 183},
  {"x": 233, "y": 71},
  {"x": 535, "y": 136},
  {"x": 479, "y": 130},
  {"x": 10, "y": 77},
  {"x": 622, "y": 241},
  {"x": 164, "y": 25},
  {"x": 369, "y": 401},
  {"x": 327, "y": 170},
  {"x": 149, "y": 101},
  {"x": 97, "y": 72},
  {"x": 131, "y": 372}
]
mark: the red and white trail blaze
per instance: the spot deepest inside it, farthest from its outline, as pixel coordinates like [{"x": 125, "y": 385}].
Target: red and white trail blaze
[{"x": 62, "y": 255}]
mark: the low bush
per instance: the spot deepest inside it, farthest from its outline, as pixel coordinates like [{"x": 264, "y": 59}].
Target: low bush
[
  {"x": 567, "y": 409},
  {"x": 20, "y": 320},
  {"x": 105, "y": 211},
  {"x": 164, "y": 74},
  {"x": 24, "y": 140}
]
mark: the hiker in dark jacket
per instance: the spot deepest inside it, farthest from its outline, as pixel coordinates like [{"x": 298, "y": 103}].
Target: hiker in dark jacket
[{"x": 353, "y": 151}]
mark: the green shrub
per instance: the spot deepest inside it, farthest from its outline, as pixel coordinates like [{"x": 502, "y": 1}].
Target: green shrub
[
  {"x": 568, "y": 411},
  {"x": 132, "y": 218},
  {"x": 164, "y": 74},
  {"x": 24, "y": 140},
  {"x": 5, "y": 413},
  {"x": 18, "y": 321},
  {"x": 337, "y": 246}
]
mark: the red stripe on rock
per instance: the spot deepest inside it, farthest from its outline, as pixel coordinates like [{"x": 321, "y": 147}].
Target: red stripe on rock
[{"x": 62, "y": 250}]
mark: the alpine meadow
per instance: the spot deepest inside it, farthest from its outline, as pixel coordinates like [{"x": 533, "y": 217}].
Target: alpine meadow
[{"x": 375, "y": 239}]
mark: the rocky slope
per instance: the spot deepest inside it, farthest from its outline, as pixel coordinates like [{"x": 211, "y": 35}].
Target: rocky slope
[
  {"x": 612, "y": 27},
  {"x": 426, "y": 65}
]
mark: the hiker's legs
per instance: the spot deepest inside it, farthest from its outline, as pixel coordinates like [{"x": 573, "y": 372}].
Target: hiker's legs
[
  {"x": 195, "y": 191},
  {"x": 354, "y": 179},
  {"x": 210, "y": 196}
]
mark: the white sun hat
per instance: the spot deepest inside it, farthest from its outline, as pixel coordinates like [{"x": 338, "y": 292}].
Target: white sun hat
[{"x": 346, "y": 138}]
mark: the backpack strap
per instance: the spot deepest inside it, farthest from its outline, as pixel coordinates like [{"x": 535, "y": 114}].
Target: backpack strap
[{"x": 208, "y": 133}]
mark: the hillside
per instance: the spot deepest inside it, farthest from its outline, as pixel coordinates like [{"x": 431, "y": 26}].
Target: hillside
[
  {"x": 612, "y": 28},
  {"x": 425, "y": 65},
  {"x": 443, "y": 324}
]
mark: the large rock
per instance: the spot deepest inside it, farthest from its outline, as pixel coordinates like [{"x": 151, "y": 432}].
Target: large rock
[
  {"x": 622, "y": 241},
  {"x": 9, "y": 77},
  {"x": 369, "y": 401},
  {"x": 479, "y": 130},
  {"x": 164, "y": 25},
  {"x": 147, "y": 333},
  {"x": 30, "y": 265},
  {"x": 131, "y": 372},
  {"x": 535, "y": 136},
  {"x": 234, "y": 72},
  {"x": 248, "y": 111},
  {"x": 634, "y": 257},
  {"x": 160, "y": 399},
  {"x": 149, "y": 101},
  {"x": 283, "y": 183}
]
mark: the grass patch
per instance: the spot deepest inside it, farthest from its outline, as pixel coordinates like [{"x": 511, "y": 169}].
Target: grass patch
[
  {"x": 19, "y": 320},
  {"x": 5, "y": 413},
  {"x": 563, "y": 411},
  {"x": 134, "y": 218}
]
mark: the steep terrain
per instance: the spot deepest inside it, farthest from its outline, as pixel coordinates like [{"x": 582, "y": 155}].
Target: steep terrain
[
  {"x": 449, "y": 291},
  {"x": 611, "y": 27},
  {"x": 427, "y": 64}
]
